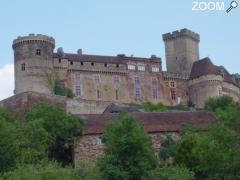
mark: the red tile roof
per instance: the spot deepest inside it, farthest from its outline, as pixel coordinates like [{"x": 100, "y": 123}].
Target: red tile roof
[
  {"x": 153, "y": 122},
  {"x": 206, "y": 67},
  {"x": 104, "y": 59}
]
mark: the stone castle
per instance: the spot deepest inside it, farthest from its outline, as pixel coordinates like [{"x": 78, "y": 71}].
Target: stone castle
[
  {"x": 124, "y": 79},
  {"x": 103, "y": 85}
]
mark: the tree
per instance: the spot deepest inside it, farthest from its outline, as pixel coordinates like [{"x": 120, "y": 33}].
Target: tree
[
  {"x": 167, "y": 148},
  {"x": 219, "y": 103},
  {"x": 8, "y": 142},
  {"x": 172, "y": 173},
  {"x": 128, "y": 152},
  {"x": 48, "y": 129},
  {"x": 150, "y": 107}
]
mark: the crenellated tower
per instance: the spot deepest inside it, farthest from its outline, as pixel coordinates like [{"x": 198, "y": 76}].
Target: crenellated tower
[
  {"x": 33, "y": 59},
  {"x": 181, "y": 50}
]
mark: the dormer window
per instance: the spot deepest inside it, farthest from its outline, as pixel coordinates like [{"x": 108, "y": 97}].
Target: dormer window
[
  {"x": 59, "y": 60},
  {"x": 117, "y": 65},
  {"x": 81, "y": 63},
  {"x": 92, "y": 64},
  {"x": 38, "y": 52},
  {"x": 71, "y": 62},
  {"x": 141, "y": 68},
  {"x": 105, "y": 65}
]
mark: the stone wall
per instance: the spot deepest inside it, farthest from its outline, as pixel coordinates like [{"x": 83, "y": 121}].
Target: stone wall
[
  {"x": 89, "y": 147},
  {"x": 204, "y": 87},
  {"x": 20, "y": 103}
]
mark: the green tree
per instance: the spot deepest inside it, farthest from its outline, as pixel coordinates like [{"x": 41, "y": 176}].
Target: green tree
[
  {"x": 167, "y": 148},
  {"x": 49, "y": 129},
  {"x": 172, "y": 173},
  {"x": 219, "y": 103},
  {"x": 128, "y": 152},
  {"x": 8, "y": 142}
]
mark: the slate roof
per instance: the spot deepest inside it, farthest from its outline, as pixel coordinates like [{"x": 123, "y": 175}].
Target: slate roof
[
  {"x": 113, "y": 108},
  {"x": 206, "y": 67},
  {"x": 104, "y": 59},
  {"x": 152, "y": 121}
]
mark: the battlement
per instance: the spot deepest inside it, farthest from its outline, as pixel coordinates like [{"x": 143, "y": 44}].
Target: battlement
[
  {"x": 182, "y": 33},
  {"x": 32, "y": 38}
]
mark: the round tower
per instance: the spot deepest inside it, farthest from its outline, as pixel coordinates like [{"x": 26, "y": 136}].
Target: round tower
[{"x": 33, "y": 61}]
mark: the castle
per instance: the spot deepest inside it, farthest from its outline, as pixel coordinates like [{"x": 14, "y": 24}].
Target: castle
[
  {"x": 123, "y": 79},
  {"x": 104, "y": 84}
]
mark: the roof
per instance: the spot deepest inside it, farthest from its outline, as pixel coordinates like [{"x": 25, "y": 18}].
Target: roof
[
  {"x": 104, "y": 59},
  {"x": 152, "y": 121},
  {"x": 113, "y": 108},
  {"x": 206, "y": 67}
]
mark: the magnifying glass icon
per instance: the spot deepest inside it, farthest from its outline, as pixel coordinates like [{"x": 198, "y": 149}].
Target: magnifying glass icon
[{"x": 233, "y": 4}]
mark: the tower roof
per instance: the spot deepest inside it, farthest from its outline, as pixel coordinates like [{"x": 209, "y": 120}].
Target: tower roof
[{"x": 206, "y": 67}]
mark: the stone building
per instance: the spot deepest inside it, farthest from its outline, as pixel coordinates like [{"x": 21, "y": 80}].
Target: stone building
[
  {"x": 121, "y": 78},
  {"x": 90, "y": 145}
]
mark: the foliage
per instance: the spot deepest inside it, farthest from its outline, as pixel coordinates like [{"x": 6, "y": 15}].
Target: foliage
[
  {"x": 178, "y": 107},
  {"x": 52, "y": 131},
  {"x": 167, "y": 148},
  {"x": 150, "y": 107},
  {"x": 128, "y": 152},
  {"x": 172, "y": 173},
  {"x": 8, "y": 142},
  {"x": 216, "y": 152},
  {"x": 220, "y": 103},
  {"x": 60, "y": 89}
]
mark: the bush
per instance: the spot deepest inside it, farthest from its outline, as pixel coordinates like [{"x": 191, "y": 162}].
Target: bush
[
  {"x": 150, "y": 107},
  {"x": 172, "y": 173}
]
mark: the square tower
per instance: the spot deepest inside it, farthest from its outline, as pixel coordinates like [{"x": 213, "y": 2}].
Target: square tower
[{"x": 181, "y": 50}]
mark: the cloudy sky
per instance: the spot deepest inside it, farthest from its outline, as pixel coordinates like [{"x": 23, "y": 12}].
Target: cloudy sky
[{"x": 110, "y": 27}]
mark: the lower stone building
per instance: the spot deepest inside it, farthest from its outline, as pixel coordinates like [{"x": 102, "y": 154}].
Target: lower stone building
[{"x": 90, "y": 145}]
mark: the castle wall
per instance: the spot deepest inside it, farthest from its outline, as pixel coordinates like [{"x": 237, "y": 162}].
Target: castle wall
[{"x": 205, "y": 87}]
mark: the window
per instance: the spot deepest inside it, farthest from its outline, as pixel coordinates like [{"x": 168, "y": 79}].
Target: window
[
  {"x": 116, "y": 80},
  {"x": 131, "y": 67},
  {"x": 117, "y": 65},
  {"x": 116, "y": 94},
  {"x": 81, "y": 63},
  {"x": 97, "y": 79},
  {"x": 98, "y": 94},
  {"x": 59, "y": 60},
  {"x": 77, "y": 77},
  {"x": 154, "y": 93},
  {"x": 141, "y": 68},
  {"x": 71, "y": 62},
  {"x": 172, "y": 84},
  {"x": 155, "y": 69},
  {"x": 220, "y": 93},
  {"x": 99, "y": 141},
  {"x": 92, "y": 64},
  {"x": 78, "y": 90},
  {"x": 38, "y": 52},
  {"x": 105, "y": 65},
  {"x": 137, "y": 92},
  {"x": 154, "y": 88},
  {"x": 173, "y": 94},
  {"x": 23, "y": 67},
  {"x": 136, "y": 80}
]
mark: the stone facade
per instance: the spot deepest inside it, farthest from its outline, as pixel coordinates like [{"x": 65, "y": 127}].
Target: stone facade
[
  {"x": 118, "y": 79},
  {"x": 90, "y": 146}
]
